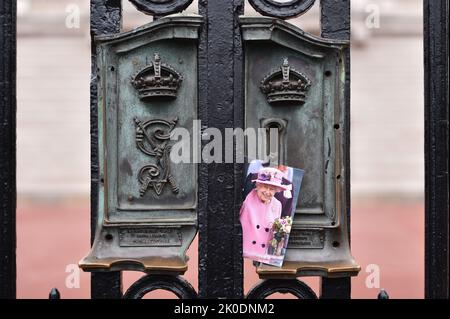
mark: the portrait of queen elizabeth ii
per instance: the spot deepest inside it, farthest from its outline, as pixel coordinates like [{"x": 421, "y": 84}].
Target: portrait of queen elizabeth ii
[{"x": 261, "y": 212}]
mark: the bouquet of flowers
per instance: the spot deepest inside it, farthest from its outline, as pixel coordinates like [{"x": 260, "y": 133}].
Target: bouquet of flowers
[{"x": 281, "y": 228}]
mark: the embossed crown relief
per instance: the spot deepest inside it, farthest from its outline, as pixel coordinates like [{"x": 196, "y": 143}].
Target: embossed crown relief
[
  {"x": 285, "y": 85},
  {"x": 157, "y": 80}
]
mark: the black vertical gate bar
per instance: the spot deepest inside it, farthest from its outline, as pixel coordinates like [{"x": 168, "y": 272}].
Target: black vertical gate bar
[
  {"x": 436, "y": 32},
  {"x": 220, "y": 73},
  {"x": 239, "y": 97},
  {"x": 106, "y": 17},
  {"x": 335, "y": 24},
  {"x": 7, "y": 149},
  {"x": 335, "y": 288}
]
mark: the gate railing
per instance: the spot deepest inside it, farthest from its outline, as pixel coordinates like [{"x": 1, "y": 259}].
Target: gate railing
[{"x": 219, "y": 278}]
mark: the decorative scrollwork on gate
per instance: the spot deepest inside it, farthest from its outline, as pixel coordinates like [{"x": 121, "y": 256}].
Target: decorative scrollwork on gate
[
  {"x": 282, "y": 9},
  {"x": 161, "y": 7},
  {"x": 270, "y": 286},
  {"x": 152, "y": 138},
  {"x": 175, "y": 284}
]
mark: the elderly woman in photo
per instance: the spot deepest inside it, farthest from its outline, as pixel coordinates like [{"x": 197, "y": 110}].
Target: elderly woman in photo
[
  {"x": 258, "y": 212},
  {"x": 286, "y": 197}
]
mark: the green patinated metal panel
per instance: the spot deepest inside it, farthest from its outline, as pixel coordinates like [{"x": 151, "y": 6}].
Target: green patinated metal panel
[
  {"x": 147, "y": 203},
  {"x": 295, "y": 82},
  {"x": 308, "y": 136}
]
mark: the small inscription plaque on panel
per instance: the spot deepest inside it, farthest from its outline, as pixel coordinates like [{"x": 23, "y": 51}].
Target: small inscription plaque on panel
[
  {"x": 149, "y": 237},
  {"x": 306, "y": 238}
]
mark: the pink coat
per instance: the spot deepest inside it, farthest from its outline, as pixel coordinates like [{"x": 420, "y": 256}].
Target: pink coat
[{"x": 256, "y": 218}]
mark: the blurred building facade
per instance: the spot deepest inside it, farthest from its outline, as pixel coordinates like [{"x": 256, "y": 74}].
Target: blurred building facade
[{"x": 53, "y": 95}]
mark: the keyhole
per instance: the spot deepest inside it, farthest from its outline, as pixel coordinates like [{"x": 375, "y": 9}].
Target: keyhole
[
  {"x": 273, "y": 142},
  {"x": 272, "y": 146}
]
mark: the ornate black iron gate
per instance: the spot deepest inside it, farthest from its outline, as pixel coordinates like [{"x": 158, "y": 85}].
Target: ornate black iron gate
[{"x": 221, "y": 91}]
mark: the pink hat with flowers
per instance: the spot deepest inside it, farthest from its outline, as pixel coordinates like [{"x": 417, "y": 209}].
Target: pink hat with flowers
[{"x": 271, "y": 176}]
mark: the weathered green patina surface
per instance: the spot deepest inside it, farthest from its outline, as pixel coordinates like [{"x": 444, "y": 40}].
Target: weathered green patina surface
[
  {"x": 295, "y": 82},
  {"x": 147, "y": 204}
]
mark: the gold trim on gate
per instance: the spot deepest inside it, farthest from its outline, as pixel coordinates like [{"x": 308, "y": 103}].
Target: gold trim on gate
[
  {"x": 153, "y": 265},
  {"x": 294, "y": 269}
]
